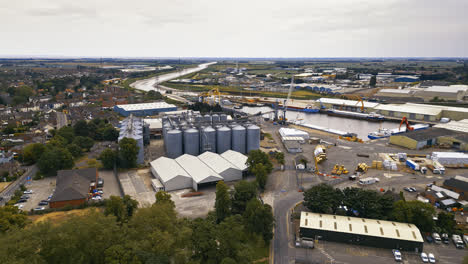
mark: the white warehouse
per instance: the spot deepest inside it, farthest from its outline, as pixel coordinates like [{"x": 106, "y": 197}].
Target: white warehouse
[
  {"x": 226, "y": 169},
  {"x": 188, "y": 171},
  {"x": 170, "y": 174}
]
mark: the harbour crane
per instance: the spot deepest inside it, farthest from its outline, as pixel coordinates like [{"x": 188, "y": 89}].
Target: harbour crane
[
  {"x": 404, "y": 120},
  {"x": 285, "y": 104},
  {"x": 211, "y": 93}
]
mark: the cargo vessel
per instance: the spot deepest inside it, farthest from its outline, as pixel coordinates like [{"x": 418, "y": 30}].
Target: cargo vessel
[
  {"x": 356, "y": 115},
  {"x": 308, "y": 109},
  {"x": 384, "y": 132}
]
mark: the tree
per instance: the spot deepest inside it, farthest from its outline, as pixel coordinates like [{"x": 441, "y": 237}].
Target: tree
[
  {"x": 130, "y": 205},
  {"x": 110, "y": 133},
  {"x": 323, "y": 198},
  {"x": 84, "y": 142},
  {"x": 75, "y": 150},
  {"x": 163, "y": 197},
  {"x": 373, "y": 81},
  {"x": 223, "y": 201},
  {"x": 261, "y": 176},
  {"x": 54, "y": 159},
  {"x": 259, "y": 157},
  {"x": 9, "y": 129},
  {"x": 57, "y": 141},
  {"x": 203, "y": 240},
  {"x": 259, "y": 219},
  {"x": 128, "y": 151},
  {"x": 81, "y": 128},
  {"x": 32, "y": 153},
  {"x": 415, "y": 212},
  {"x": 446, "y": 222},
  {"x": 115, "y": 207},
  {"x": 279, "y": 156},
  {"x": 67, "y": 133},
  {"x": 11, "y": 217},
  {"x": 243, "y": 192},
  {"x": 108, "y": 158}
]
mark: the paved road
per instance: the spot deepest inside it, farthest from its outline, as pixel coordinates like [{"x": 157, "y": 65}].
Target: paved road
[
  {"x": 8, "y": 192},
  {"x": 149, "y": 84},
  {"x": 61, "y": 120}
]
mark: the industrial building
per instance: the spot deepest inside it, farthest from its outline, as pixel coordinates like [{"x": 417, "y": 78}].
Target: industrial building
[
  {"x": 188, "y": 171},
  {"x": 346, "y": 105},
  {"x": 73, "y": 187},
  {"x": 133, "y": 127},
  {"x": 458, "y": 184},
  {"x": 145, "y": 109},
  {"x": 411, "y": 111},
  {"x": 430, "y": 137},
  {"x": 191, "y": 133},
  {"x": 448, "y": 93},
  {"x": 361, "y": 231}
]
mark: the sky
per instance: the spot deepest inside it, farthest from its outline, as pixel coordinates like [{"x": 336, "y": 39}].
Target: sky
[{"x": 235, "y": 28}]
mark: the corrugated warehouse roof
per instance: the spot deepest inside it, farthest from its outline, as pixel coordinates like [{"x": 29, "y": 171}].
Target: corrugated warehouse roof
[
  {"x": 361, "y": 226},
  {"x": 460, "y": 126},
  {"x": 168, "y": 169},
  {"x": 447, "y": 89},
  {"x": 441, "y": 107},
  {"x": 236, "y": 158},
  {"x": 346, "y": 102},
  {"x": 145, "y": 106},
  {"x": 216, "y": 162},
  {"x": 448, "y": 192},
  {"x": 410, "y": 108},
  {"x": 199, "y": 171},
  {"x": 399, "y": 91},
  {"x": 154, "y": 123}
]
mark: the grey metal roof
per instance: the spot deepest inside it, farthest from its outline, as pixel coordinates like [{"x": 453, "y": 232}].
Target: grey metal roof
[
  {"x": 236, "y": 158},
  {"x": 361, "y": 226},
  {"x": 168, "y": 169},
  {"x": 216, "y": 162},
  {"x": 199, "y": 171}
]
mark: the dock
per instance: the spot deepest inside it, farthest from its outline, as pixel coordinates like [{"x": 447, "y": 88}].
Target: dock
[{"x": 324, "y": 129}]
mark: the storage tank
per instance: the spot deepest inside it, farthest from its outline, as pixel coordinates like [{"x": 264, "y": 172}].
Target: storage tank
[
  {"x": 208, "y": 140},
  {"x": 207, "y": 118},
  {"x": 238, "y": 139},
  {"x": 223, "y": 139},
  {"x": 192, "y": 141},
  {"x": 253, "y": 138},
  {"x": 223, "y": 118},
  {"x": 198, "y": 118},
  {"x": 215, "y": 117},
  {"x": 173, "y": 143}
]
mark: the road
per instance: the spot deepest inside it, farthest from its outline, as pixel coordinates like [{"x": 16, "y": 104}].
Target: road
[
  {"x": 8, "y": 192},
  {"x": 149, "y": 84},
  {"x": 61, "y": 120}
]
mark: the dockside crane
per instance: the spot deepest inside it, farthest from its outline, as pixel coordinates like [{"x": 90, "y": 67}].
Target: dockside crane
[
  {"x": 404, "y": 120},
  {"x": 285, "y": 104}
]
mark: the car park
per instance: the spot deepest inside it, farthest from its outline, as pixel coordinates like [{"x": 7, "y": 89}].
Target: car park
[
  {"x": 431, "y": 258},
  {"x": 39, "y": 208},
  {"x": 28, "y": 192},
  {"x": 436, "y": 238},
  {"x": 424, "y": 257},
  {"x": 397, "y": 255}
]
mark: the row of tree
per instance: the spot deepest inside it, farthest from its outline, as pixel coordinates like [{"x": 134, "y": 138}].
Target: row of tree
[
  {"x": 372, "y": 204},
  {"x": 124, "y": 157},
  {"x": 121, "y": 233}
]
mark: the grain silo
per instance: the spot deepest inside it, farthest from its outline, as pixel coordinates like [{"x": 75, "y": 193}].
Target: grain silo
[
  {"x": 223, "y": 139},
  {"x": 223, "y": 118},
  {"x": 215, "y": 118},
  {"x": 207, "y": 118},
  {"x": 253, "y": 138},
  {"x": 208, "y": 139},
  {"x": 198, "y": 118},
  {"x": 191, "y": 141},
  {"x": 238, "y": 139},
  {"x": 174, "y": 146}
]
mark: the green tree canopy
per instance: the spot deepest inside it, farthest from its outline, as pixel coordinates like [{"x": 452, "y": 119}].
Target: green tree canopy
[
  {"x": 223, "y": 201},
  {"x": 322, "y": 198},
  {"x": 54, "y": 159},
  {"x": 67, "y": 133},
  {"x": 81, "y": 128},
  {"x": 108, "y": 157},
  {"x": 84, "y": 142},
  {"x": 259, "y": 157},
  {"x": 75, "y": 150},
  {"x": 243, "y": 192},
  {"x": 415, "y": 212},
  {"x": 32, "y": 152},
  {"x": 259, "y": 219},
  {"x": 128, "y": 151}
]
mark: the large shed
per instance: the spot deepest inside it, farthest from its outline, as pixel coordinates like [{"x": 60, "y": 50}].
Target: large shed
[
  {"x": 170, "y": 174},
  {"x": 202, "y": 175},
  {"x": 238, "y": 159},
  {"x": 361, "y": 231},
  {"x": 224, "y": 168}
]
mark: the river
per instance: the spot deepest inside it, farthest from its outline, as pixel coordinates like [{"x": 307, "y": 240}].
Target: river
[
  {"x": 149, "y": 84},
  {"x": 360, "y": 127}
]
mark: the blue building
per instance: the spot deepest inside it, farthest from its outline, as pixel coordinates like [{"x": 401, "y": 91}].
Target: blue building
[{"x": 145, "y": 109}]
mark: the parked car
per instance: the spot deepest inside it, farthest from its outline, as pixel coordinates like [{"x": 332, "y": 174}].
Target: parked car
[
  {"x": 436, "y": 238},
  {"x": 28, "y": 192},
  {"x": 429, "y": 239},
  {"x": 407, "y": 189},
  {"x": 22, "y": 201},
  {"x": 431, "y": 258},
  {"x": 25, "y": 197},
  {"x": 424, "y": 257},
  {"x": 100, "y": 182},
  {"x": 397, "y": 255},
  {"x": 43, "y": 203},
  {"x": 97, "y": 197},
  {"x": 458, "y": 241},
  {"x": 413, "y": 189},
  {"x": 42, "y": 208},
  {"x": 445, "y": 238},
  {"x": 465, "y": 239},
  {"x": 20, "y": 206}
]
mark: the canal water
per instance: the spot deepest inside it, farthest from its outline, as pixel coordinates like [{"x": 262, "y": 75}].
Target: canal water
[{"x": 360, "y": 127}]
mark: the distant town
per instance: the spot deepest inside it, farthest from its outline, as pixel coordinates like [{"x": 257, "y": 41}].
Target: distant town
[{"x": 233, "y": 160}]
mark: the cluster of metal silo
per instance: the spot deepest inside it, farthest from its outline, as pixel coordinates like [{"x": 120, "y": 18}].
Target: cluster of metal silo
[{"x": 194, "y": 134}]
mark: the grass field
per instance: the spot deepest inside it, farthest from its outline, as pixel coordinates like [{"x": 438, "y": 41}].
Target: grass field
[
  {"x": 58, "y": 217},
  {"x": 3, "y": 185}
]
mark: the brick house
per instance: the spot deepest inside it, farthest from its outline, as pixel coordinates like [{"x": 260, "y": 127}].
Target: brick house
[{"x": 73, "y": 187}]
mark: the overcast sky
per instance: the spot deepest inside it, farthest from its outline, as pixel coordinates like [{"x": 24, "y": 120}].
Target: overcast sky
[{"x": 236, "y": 28}]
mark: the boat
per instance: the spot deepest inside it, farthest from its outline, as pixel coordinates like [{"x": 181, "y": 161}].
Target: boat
[
  {"x": 384, "y": 132},
  {"x": 308, "y": 109},
  {"x": 356, "y": 115}
]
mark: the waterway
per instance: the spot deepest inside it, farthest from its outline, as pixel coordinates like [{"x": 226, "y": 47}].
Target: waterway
[{"x": 360, "y": 127}]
